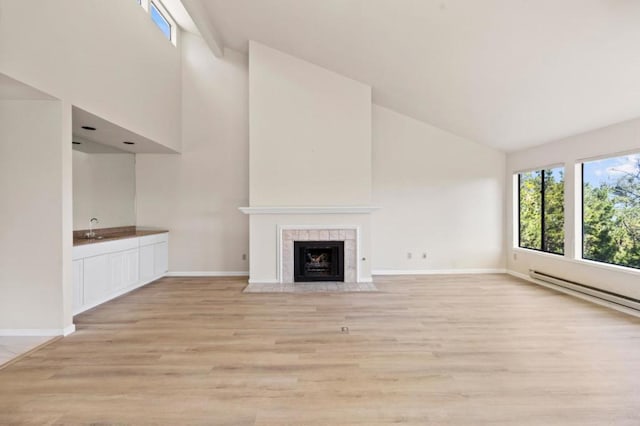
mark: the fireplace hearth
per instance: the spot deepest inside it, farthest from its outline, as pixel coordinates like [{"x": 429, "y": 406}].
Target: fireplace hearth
[{"x": 318, "y": 261}]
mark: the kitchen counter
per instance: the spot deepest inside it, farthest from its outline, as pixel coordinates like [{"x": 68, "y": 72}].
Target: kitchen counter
[
  {"x": 123, "y": 259},
  {"x": 111, "y": 234}
]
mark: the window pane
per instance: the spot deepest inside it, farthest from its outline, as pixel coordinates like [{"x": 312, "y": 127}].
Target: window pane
[
  {"x": 611, "y": 210},
  {"x": 530, "y": 210},
  {"x": 554, "y": 210},
  {"x": 160, "y": 21}
]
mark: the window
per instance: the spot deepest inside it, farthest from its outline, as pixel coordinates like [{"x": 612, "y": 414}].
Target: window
[
  {"x": 611, "y": 210},
  {"x": 159, "y": 19},
  {"x": 541, "y": 210}
]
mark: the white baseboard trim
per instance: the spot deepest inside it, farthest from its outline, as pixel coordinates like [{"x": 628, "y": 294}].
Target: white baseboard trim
[
  {"x": 24, "y": 332},
  {"x": 207, "y": 274},
  {"x": 579, "y": 295},
  {"x": 436, "y": 271}
]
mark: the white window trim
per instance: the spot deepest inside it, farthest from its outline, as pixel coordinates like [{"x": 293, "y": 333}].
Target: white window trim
[
  {"x": 579, "y": 205},
  {"x": 515, "y": 211}
]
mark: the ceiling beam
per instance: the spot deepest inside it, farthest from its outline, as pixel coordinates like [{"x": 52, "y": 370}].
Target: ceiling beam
[{"x": 208, "y": 31}]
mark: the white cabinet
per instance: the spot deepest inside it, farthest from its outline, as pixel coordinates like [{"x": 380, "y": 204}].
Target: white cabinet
[
  {"x": 147, "y": 269},
  {"x": 78, "y": 284},
  {"x": 131, "y": 268},
  {"x": 96, "y": 279},
  {"x": 160, "y": 258},
  {"x": 104, "y": 270},
  {"x": 116, "y": 270},
  {"x": 123, "y": 269},
  {"x": 154, "y": 256}
]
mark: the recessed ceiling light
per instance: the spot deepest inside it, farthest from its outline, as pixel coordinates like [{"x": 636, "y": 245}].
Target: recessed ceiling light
[
  {"x": 128, "y": 143},
  {"x": 76, "y": 143},
  {"x": 88, "y": 128}
]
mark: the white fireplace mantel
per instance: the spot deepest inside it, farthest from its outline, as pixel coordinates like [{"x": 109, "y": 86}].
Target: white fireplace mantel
[{"x": 308, "y": 210}]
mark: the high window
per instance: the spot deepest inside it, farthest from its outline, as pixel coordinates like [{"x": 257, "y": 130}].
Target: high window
[
  {"x": 541, "y": 210},
  {"x": 160, "y": 18},
  {"x": 611, "y": 210}
]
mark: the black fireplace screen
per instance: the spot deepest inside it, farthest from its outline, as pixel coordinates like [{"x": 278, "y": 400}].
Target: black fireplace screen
[{"x": 318, "y": 261}]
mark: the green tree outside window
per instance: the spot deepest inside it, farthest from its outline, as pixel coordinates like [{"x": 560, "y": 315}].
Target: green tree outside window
[
  {"x": 541, "y": 206},
  {"x": 611, "y": 210}
]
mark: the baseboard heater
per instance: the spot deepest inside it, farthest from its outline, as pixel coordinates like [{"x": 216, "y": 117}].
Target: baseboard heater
[{"x": 608, "y": 296}]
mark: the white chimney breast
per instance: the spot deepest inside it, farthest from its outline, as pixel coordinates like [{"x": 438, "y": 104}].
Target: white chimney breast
[
  {"x": 310, "y": 133},
  {"x": 309, "y": 164}
]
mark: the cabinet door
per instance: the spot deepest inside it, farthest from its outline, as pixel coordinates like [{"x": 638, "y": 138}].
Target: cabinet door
[
  {"x": 160, "y": 258},
  {"x": 96, "y": 278},
  {"x": 146, "y": 263},
  {"x": 131, "y": 270},
  {"x": 116, "y": 271},
  {"x": 123, "y": 269},
  {"x": 78, "y": 284}
]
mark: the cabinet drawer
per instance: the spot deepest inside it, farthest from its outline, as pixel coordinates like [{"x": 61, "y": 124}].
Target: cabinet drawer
[
  {"x": 96, "y": 249},
  {"x": 154, "y": 239}
]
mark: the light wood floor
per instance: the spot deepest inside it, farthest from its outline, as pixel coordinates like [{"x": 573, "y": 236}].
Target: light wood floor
[{"x": 463, "y": 350}]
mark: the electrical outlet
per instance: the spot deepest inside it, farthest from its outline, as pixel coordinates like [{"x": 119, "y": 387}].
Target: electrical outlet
[
  {"x": 409, "y": 255},
  {"x": 244, "y": 257}
]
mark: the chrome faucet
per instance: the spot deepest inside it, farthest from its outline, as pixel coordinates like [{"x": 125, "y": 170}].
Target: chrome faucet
[{"x": 91, "y": 234}]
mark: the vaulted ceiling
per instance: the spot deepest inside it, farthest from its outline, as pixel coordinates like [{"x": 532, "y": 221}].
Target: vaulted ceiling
[{"x": 506, "y": 73}]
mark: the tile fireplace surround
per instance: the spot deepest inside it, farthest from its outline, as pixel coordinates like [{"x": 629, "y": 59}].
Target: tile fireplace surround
[{"x": 289, "y": 234}]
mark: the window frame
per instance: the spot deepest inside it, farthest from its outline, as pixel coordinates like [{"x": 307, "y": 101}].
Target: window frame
[
  {"x": 518, "y": 227},
  {"x": 580, "y": 241}
]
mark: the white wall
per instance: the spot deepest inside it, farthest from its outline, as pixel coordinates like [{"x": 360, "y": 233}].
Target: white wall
[
  {"x": 618, "y": 138},
  {"x": 310, "y": 133},
  {"x": 106, "y": 57},
  {"x": 104, "y": 187},
  {"x": 415, "y": 167},
  {"x": 439, "y": 194},
  {"x": 33, "y": 225},
  {"x": 196, "y": 195}
]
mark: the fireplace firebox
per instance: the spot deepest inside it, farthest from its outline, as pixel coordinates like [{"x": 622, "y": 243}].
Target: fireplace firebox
[{"x": 318, "y": 261}]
